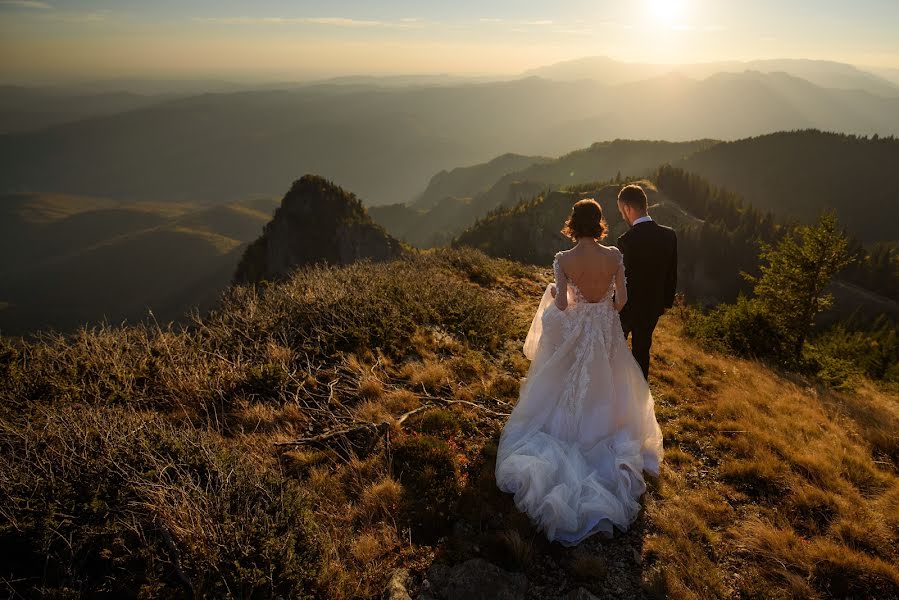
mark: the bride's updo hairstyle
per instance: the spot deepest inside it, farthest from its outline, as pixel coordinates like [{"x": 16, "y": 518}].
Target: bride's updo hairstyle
[{"x": 585, "y": 221}]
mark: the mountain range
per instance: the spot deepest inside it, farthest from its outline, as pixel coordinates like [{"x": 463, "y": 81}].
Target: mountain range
[
  {"x": 793, "y": 174},
  {"x": 823, "y": 73},
  {"x": 459, "y": 207},
  {"x": 382, "y": 141}
]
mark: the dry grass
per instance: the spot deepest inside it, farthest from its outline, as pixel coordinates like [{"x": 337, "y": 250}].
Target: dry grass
[
  {"x": 785, "y": 492},
  {"x": 771, "y": 487},
  {"x": 430, "y": 376}
]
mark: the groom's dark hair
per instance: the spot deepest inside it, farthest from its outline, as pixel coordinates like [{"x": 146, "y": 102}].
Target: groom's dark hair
[{"x": 634, "y": 196}]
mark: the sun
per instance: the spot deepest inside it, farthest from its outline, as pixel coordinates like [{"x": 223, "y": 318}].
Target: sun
[{"x": 666, "y": 11}]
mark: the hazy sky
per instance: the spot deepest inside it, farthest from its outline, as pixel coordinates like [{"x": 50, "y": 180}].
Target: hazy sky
[{"x": 310, "y": 38}]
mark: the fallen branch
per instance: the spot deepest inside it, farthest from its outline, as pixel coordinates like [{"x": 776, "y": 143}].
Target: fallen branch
[
  {"x": 367, "y": 431},
  {"x": 324, "y": 437},
  {"x": 467, "y": 403}
]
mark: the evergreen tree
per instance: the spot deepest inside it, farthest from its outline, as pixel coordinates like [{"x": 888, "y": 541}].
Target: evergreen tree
[{"x": 794, "y": 275}]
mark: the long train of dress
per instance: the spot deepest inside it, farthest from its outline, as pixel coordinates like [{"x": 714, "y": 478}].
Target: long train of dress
[{"x": 575, "y": 446}]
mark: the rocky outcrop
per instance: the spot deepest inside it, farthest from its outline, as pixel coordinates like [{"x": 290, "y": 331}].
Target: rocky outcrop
[{"x": 316, "y": 222}]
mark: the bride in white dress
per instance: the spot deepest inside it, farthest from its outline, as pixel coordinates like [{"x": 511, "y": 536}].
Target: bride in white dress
[{"x": 583, "y": 431}]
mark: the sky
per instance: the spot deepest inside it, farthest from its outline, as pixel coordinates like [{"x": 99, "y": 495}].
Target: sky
[{"x": 275, "y": 39}]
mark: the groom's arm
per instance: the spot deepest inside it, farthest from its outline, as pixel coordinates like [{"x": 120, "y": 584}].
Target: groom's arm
[
  {"x": 621, "y": 243},
  {"x": 671, "y": 276}
]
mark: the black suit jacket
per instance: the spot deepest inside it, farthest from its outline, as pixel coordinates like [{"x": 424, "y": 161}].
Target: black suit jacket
[{"x": 650, "y": 265}]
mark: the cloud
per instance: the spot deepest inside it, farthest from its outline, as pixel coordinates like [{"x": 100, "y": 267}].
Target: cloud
[
  {"x": 616, "y": 24},
  {"x": 26, "y": 4},
  {"x": 406, "y": 23},
  {"x": 98, "y": 16}
]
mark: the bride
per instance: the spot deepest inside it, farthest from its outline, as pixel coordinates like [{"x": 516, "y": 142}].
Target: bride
[{"x": 583, "y": 431}]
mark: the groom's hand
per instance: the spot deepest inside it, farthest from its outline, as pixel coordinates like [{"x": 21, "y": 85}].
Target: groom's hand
[{"x": 552, "y": 290}]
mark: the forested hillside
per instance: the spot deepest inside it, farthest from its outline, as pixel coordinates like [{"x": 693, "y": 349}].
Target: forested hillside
[
  {"x": 530, "y": 231},
  {"x": 467, "y": 182},
  {"x": 719, "y": 239},
  {"x": 448, "y": 217},
  {"x": 797, "y": 174}
]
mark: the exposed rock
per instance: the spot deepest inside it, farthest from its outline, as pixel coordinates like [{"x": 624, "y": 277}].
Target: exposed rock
[
  {"x": 580, "y": 594},
  {"x": 474, "y": 579},
  {"x": 316, "y": 222},
  {"x": 396, "y": 587}
]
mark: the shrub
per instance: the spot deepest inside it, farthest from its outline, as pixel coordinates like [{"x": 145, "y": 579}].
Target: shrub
[
  {"x": 743, "y": 328},
  {"x": 325, "y": 310},
  {"x": 437, "y": 422},
  {"x": 425, "y": 466}
]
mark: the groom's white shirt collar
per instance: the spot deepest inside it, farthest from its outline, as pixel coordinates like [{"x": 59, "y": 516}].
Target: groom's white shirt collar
[{"x": 641, "y": 220}]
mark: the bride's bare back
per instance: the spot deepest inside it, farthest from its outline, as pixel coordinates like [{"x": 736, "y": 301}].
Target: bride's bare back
[{"x": 592, "y": 268}]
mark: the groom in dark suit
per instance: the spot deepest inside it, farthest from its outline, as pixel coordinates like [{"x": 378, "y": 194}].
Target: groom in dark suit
[{"x": 650, "y": 265}]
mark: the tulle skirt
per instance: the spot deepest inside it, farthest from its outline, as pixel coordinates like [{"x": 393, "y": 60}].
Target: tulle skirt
[{"x": 575, "y": 447}]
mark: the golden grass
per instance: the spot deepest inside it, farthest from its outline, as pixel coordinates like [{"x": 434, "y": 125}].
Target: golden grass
[
  {"x": 401, "y": 401},
  {"x": 771, "y": 487},
  {"x": 429, "y": 375}
]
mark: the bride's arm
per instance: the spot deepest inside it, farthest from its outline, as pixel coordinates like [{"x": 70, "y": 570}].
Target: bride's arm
[
  {"x": 620, "y": 284},
  {"x": 561, "y": 289}
]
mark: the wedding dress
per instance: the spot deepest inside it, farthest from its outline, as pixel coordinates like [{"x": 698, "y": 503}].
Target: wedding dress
[{"x": 575, "y": 446}]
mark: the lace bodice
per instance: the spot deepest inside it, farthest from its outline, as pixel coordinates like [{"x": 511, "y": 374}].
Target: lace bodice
[{"x": 563, "y": 284}]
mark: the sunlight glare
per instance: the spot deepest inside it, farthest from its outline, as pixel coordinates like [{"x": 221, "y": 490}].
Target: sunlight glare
[{"x": 666, "y": 11}]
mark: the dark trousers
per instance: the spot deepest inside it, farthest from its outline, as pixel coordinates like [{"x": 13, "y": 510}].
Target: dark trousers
[{"x": 641, "y": 327}]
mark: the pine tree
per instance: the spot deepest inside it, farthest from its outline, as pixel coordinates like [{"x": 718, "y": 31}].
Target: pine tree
[{"x": 794, "y": 275}]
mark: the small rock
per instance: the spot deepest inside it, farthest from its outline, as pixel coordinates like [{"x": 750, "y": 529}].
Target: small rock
[
  {"x": 396, "y": 587},
  {"x": 579, "y": 594},
  {"x": 637, "y": 557}
]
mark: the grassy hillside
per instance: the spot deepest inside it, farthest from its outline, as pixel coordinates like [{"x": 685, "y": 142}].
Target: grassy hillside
[
  {"x": 73, "y": 260},
  {"x": 308, "y": 438},
  {"x": 797, "y": 174}
]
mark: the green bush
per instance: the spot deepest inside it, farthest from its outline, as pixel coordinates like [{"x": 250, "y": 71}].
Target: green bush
[
  {"x": 743, "y": 328},
  {"x": 873, "y": 351}
]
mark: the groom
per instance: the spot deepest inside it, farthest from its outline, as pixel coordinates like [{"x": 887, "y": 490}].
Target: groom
[{"x": 650, "y": 265}]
